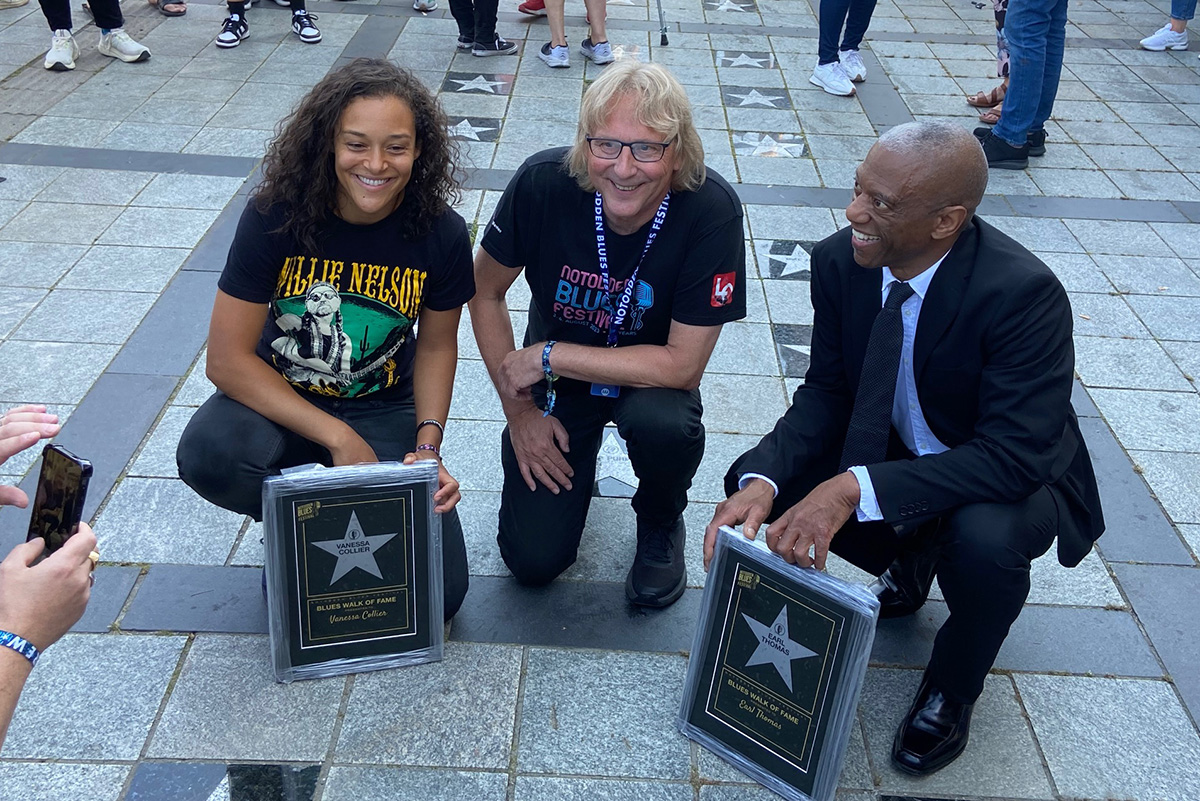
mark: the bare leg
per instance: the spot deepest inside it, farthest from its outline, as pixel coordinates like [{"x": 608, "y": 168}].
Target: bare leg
[
  {"x": 596, "y": 12},
  {"x": 558, "y": 25},
  {"x": 1178, "y": 25}
]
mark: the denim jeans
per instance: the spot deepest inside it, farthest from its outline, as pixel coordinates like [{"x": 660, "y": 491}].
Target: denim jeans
[
  {"x": 855, "y": 14},
  {"x": 1036, "y": 31},
  {"x": 1183, "y": 9}
]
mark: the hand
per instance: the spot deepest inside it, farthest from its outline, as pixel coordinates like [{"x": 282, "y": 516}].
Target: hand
[
  {"x": 748, "y": 506},
  {"x": 41, "y": 602},
  {"x": 20, "y": 428},
  {"x": 447, "y": 495},
  {"x": 812, "y": 523},
  {"x": 352, "y": 450},
  {"x": 539, "y": 444},
  {"x": 519, "y": 371}
]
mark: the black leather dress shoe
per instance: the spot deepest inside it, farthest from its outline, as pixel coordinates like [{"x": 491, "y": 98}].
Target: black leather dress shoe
[
  {"x": 903, "y": 587},
  {"x": 933, "y": 734}
]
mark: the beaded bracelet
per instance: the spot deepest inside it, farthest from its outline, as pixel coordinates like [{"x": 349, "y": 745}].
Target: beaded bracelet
[
  {"x": 428, "y": 447},
  {"x": 21, "y": 645}
]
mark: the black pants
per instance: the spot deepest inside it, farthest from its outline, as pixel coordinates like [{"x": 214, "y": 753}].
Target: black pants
[
  {"x": 107, "y": 13},
  {"x": 540, "y": 531},
  {"x": 476, "y": 19},
  {"x": 228, "y": 449},
  {"x": 985, "y": 550},
  {"x": 854, "y": 14}
]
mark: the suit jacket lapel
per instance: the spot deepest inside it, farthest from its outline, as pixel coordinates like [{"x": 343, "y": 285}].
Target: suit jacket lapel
[
  {"x": 865, "y": 303},
  {"x": 944, "y": 298}
]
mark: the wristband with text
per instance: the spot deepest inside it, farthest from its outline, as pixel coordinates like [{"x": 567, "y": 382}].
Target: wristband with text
[
  {"x": 550, "y": 376},
  {"x": 21, "y": 645}
]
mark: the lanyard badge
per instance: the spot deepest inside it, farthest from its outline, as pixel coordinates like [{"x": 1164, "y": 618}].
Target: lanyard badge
[{"x": 622, "y": 310}]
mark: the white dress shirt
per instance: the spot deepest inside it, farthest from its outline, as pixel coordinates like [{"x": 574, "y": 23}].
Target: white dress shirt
[{"x": 907, "y": 416}]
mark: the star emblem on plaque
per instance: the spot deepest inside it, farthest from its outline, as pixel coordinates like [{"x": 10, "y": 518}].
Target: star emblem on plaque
[{"x": 355, "y": 549}]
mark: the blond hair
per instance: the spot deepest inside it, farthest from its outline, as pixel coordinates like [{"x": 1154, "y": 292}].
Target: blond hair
[{"x": 660, "y": 103}]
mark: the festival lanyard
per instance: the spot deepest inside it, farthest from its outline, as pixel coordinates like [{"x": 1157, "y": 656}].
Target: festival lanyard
[{"x": 618, "y": 316}]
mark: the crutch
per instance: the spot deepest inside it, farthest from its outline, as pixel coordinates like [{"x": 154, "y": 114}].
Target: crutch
[{"x": 662, "y": 24}]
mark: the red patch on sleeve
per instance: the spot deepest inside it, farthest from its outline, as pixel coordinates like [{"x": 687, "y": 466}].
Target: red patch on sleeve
[{"x": 722, "y": 289}]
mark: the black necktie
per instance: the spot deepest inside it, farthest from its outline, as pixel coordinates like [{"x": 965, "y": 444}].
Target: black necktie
[{"x": 871, "y": 421}]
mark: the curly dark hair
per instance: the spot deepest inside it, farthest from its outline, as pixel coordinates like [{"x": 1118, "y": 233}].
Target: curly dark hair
[{"x": 299, "y": 171}]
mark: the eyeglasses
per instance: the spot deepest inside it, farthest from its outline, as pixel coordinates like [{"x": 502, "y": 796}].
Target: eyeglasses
[{"x": 610, "y": 149}]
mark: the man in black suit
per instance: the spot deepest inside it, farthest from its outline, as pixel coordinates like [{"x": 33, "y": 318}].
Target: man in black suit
[{"x": 934, "y": 436}]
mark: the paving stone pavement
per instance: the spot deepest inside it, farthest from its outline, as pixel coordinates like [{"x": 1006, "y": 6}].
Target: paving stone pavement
[{"x": 121, "y": 188}]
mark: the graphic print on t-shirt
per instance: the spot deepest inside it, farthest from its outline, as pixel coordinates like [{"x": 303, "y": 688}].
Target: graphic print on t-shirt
[
  {"x": 341, "y": 326},
  {"x": 580, "y": 299}
]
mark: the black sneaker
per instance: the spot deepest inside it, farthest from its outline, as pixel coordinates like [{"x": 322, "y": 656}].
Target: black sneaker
[
  {"x": 1037, "y": 142},
  {"x": 658, "y": 575},
  {"x": 500, "y": 47},
  {"x": 465, "y": 42},
  {"x": 303, "y": 27},
  {"x": 1001, "y": 155}
]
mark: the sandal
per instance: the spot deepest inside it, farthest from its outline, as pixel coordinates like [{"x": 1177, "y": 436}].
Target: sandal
[
  {"x": 165, "y": 7},
  {"x": 992, "y": 115},
  {"x": 988, "y": 99}
]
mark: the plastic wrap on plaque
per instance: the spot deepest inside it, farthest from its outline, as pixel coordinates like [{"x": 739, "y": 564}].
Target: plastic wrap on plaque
[
  {"x": 777, "y": 663},
  {"x": 354, "y": 569}
]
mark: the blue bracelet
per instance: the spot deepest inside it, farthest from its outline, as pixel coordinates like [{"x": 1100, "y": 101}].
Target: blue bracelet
[
  {"x": 550, "y": 376},
  {"x": 21, "y": 645}
]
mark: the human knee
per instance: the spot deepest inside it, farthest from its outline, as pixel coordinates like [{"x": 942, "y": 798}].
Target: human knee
[
  {"x": 985, "y": 537},
  {"x": 536, "y": 569},
  {"x": 665, "y": 421}
]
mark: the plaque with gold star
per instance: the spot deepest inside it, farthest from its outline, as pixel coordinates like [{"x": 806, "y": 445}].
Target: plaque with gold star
[
  {"x": 353, "y": 562},
  {"x": 778, "y": 661}
]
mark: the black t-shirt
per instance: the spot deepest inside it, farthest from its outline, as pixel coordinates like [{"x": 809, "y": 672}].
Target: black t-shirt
[
  {"x": 694, "y": 272},
  {"x": 340, "y": 320}
]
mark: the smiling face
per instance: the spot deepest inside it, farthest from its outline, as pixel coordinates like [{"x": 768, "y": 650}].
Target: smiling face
[
  {"x": 373, "y": 154},
  {"x": 631, "y": 189},
  {"x": 894, "y": 215}
]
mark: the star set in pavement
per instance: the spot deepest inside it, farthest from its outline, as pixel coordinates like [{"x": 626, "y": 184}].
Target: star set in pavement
[
  {"x": 465, "y": 129},
  {"x": 730, "y": 58},
  {"x": 775, "y": 647},
  {"x": 778, "y": 145},
  {"x": 753, "y": 97},
  {"x": 355, "y": 549},
  {"x": 475, "y": 83}
]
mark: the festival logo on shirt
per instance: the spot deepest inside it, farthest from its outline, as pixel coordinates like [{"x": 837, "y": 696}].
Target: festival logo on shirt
[
  {"x": 342, "y": 329},
  {"x": 722, "y": 290},
  {"x": 580, "y": 299}
]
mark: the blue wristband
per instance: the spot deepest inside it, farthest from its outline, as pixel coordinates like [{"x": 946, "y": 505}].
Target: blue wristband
[
  {"x": 21, "y": 645},
  {"x": 546, "y": 359}
]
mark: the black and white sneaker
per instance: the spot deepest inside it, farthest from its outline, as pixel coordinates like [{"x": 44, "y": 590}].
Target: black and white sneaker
[
  {"x": 465, "y": 42},
  {"x": 302, "y": 26},
  {"x": 233, "y": 31},
  {"x": 500, "y": 47}
]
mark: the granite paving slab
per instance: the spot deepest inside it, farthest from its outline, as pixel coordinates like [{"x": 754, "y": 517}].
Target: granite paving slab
[
  {"x": 603, "y": 714},
  {"x": 1163, "y": 597},
  {"x": 108, "y": 598},
  {"x": 1144, "y": 420},
  {"x": 1173, "y": 478},
  {"x": 388, "y": 784},
  {"x": 50, "y": 372},
  {"x": 226, "y": 706},
  {"x": 107, "y": 187},
  {"x": 93, "y": 316},
  {"x": 123, "y": 678},
  {"x": 190, "y": 781},
  {"x": 36, "y": 264},
  {"x": 198, "y": 598},
  {"x": 1002, "y": 759},
  {"x": 157, "y": 457},
  {"x": 41, "y": 221},
  {"x": 1113, "y": 738},
  {"x": 1136, "y": 529},
  {"x": 531, "y": 788},
  {"x": 159, "y": 227},
  {"x": 173, "y": 331},
  {"x": 121, "y": 268},
  {"x": 157, "y": 520},
  {"x": 42, "y": 781},
  {"x": 464, "y": 717},
  {"x": 15, "y": 305},
  {"x": 1127, "y": 364}
]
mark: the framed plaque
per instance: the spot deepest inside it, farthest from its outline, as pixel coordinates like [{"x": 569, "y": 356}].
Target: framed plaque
[
  {"x": 354, "y": 569},
  {"x": 776, "y": 667}
]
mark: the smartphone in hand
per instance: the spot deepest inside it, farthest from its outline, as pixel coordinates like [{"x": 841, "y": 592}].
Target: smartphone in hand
[{"x": 58, "y": 504}]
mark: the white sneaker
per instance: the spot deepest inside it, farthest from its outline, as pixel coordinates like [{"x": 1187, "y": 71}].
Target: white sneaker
[
  {"x": 599, "y": 53},
  {"x": 852, "y": 65},
  {"x": 1166, "y": 39},
  {"x": 424, "y": 5},
  {"x": 833, "y": 79},
  {"x": 118, "y": 44},
  {"x": 63, "y": 52},
  {"x": 302, "y": 26},
  {"x": 555, "y": 56},
  {"x": 233, "y": 31}
]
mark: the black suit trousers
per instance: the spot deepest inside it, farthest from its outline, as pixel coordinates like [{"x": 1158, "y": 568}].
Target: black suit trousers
[
  {"x": 985, "y": 550},
  {"x": 540, "y": 532}
]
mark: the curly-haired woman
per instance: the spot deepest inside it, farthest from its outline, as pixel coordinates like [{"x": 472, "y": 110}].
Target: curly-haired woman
[{"x": 348, "y": 242}]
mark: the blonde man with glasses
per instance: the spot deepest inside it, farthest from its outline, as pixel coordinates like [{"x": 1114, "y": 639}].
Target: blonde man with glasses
[{"x": 634, "y": 258}]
